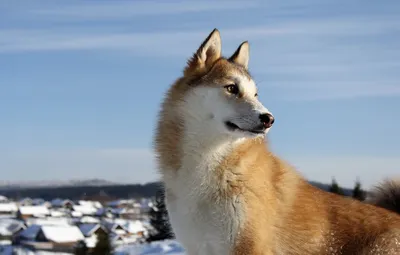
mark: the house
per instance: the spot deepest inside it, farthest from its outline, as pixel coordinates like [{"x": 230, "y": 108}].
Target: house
[
  {"x": 85, "y": 220},
  {"x": 85, "y": 210},
  {"x": 114, "y": 227},
  {"x": 49, "y": 221},
  {"x": 25, "y": 201},
  {"x": 135, "y": 230},
  {"x": 9, "y": 228},
  {"x": 104, "y": 212},
  {"x": 91, "y": 232},
  {"x": 25, "y": 212},
  {"x": 61, "y": 203},
  {"x": 54, "y": 238},
  {"x": 8, "y": 208},
  {"x": 116, "y": 240},
  {"x": 95, "y": 204}
]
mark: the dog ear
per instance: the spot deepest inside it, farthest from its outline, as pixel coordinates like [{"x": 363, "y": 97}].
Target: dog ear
[
  {"x": 208, "y": 52},
  {"x": 241, "y": 55}
]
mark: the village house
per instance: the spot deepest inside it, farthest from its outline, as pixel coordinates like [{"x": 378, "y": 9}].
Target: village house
[
  {"x": 91, "y": 231},
  {"x": 9, "y": 228},
  {"x": 51, "y": 237},
  {"x": 3, "y": 199},
  {"x": 33, "y": 211},
  {"x": 61, "y": 203},
  {"x": 8, "y": 209}
]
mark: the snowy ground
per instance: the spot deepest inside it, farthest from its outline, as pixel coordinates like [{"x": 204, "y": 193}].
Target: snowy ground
[{"x": 169, "y": 247}]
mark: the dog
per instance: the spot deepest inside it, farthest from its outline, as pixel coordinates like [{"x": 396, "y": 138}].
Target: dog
[{"x": 227, "y": 193}]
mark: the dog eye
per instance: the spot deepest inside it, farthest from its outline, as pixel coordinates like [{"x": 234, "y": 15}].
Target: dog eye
[
  {"x": 233, "y": 89},
  {"x": 256, "y": 95}
]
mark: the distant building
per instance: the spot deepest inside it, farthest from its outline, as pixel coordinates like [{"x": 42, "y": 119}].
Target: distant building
[
  {"x": 25, "y": 212},
  {"x": 8, "y": 209},
  {"x": 54, "y": 238},
  {"x": 62, "y": 203}
]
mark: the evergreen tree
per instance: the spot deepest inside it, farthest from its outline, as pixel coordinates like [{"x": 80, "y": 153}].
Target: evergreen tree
[
  {"x": 103, "y": 245},
  {"x": 335, "y": 188},
  {"x": 358, "y": 193},
  {"x": 159, "y": 219},
  {"x": 81, "y": 248}
]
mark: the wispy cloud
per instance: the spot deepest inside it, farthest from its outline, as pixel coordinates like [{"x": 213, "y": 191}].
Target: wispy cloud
[
  {"x": 123, "y": 9},
  {"x": 140, "y": 43}
]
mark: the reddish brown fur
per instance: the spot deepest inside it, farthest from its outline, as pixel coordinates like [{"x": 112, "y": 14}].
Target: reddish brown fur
[{"x": 284, "y": 213}]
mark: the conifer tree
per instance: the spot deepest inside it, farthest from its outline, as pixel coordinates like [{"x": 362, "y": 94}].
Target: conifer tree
[
  {"x": 159, "y": 219},
  {"x": 103, "y": 245},
  {"x": 358, "y": 192},
  {"x": 335, "y": 188}
]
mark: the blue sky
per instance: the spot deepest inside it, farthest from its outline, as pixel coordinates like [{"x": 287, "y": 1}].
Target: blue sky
[{"x": 81, "y": 82}]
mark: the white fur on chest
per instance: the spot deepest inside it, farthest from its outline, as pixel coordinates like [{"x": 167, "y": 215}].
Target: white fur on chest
[{"x": 202, "y": 223}]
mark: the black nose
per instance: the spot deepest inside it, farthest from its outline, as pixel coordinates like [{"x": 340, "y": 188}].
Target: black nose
[{"x": 267, "y": 119}]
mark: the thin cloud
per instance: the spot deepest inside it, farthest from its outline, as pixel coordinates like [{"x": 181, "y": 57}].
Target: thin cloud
[
  {"x": 141, "y": 43},
  {"x": 120, "y": 10}
]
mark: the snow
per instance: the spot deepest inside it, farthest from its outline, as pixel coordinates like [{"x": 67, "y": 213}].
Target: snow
[
  {"x": 62, "y": 234},
  {"x": 8, "y": 207},
  {"x": 57, "y": 221},
  {"x": 34, "y": 210},
  {"x": 95, "y": 204},
  {"x": 88, "y": 219},
  {"x": 85, "y": 209},
  {"x": 170, "y": 247},
  {"x": 3, "y": 198},
  {"x": 89, "y": 228},
  {"x": 10, "y": 250},
  {"x": 9, "y": 226}
]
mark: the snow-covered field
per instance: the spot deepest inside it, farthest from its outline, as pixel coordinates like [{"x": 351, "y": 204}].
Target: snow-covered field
[{"x": 169, "y": 247}]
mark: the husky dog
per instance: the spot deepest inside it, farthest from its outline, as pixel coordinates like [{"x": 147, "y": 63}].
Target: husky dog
[{"x": 227, "y": 193}]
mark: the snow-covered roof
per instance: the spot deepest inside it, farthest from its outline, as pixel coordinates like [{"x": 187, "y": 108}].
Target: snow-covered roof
[
  {"x": 89, "y": 228},
  {"x": 30, "y": 232},
  {"x": 88, "y": 219},
  {"x": 135, "y": 227},
  {"x": 95, "y": 204},
  {"x": 34, "y": 210},
  {"x": 57, "y": 202},
  {"x": 57, "y": 213},
  {"x": 8, "y": 207},
  {"x": 49, "y": 221},
  {"x": 38, "y": 201},
  {"x": 87, "y": 209},
  {"x": 3, "y": 198},
  {"x": 113, "y": 226},
  {"x": 62, "y": 234},
  {"x": 9, "y": 226}
]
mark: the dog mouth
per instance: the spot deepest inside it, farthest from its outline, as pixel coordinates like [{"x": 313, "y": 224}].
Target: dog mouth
[{"x": 233, "y": 127}]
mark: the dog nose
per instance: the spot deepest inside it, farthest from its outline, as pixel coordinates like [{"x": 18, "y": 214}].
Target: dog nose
[{"x": 267, "y": 119}]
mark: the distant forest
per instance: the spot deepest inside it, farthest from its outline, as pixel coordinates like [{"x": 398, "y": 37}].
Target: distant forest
[{"x": 101, "y": 192}]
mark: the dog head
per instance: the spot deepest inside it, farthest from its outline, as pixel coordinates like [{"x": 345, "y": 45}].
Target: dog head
[{"x": 221, "y": 96}]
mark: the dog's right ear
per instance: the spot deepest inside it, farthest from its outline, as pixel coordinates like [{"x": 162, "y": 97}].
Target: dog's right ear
[{"x": 208, "y": 52}]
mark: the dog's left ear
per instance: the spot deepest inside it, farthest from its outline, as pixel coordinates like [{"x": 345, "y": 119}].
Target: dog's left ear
[{"x": 241, "y": 55}]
